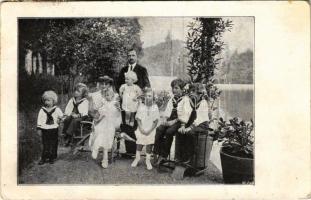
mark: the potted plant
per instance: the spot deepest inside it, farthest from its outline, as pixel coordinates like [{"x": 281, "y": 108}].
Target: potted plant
[{"x": 237, "y": 152}]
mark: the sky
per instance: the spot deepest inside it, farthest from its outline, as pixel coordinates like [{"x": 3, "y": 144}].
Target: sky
[{"x": 155, "y": 29}]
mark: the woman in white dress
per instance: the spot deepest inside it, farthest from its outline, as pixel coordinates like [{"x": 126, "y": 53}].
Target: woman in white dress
[
  {"x": 107, "y": 120},
  {"x": 147, "y": 117}
]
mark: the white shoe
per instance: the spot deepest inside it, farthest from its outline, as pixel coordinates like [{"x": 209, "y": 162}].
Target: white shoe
[
  {"x": 135, "y": 162},
  {"x": 105, "y": 164},
  {"x": 94, "y": 154},
  {"x": 148, "y": 163}
]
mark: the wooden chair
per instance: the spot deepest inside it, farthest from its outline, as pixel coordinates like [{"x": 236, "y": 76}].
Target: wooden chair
[{"x": 86, "y": 127}]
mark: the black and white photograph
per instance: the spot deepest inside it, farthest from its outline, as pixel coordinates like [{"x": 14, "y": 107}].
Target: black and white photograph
[
  {"x": 136, "y": 100},
  {"x": 155, "y": 100}
]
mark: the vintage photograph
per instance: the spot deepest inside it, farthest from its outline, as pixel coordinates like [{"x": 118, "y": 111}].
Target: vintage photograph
[{"x": 136, "y": 100}]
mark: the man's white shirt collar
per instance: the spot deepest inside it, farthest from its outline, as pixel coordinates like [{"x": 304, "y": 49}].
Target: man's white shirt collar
[{"x": 133, "y": 66}]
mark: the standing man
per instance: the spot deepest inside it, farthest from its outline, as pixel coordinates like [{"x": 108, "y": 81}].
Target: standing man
[
  {"x": 142, "y": 82},
  {"x": 141, "y": 72}
]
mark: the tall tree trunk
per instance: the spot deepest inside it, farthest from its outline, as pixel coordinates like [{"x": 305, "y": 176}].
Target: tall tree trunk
[
  {"x": 33, "y": 62},
  {"x": 37, "y": 63},
  {"x": 39, "y": 55},
  {"x": 44, "y": 62}
]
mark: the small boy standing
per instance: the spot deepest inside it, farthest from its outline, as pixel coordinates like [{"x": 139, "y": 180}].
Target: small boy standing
[
  {"x": 47, "y": 126},
  {"x": 166, "y": 131}
]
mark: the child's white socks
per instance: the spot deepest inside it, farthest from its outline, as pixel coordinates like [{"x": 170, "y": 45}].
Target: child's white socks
[
  {"x": 94, "y": 154},
  {"x": 105, "y": 163},
  {"x": 105, "y": 159},
  {"x": 148, "y": 163},
  {"x": 136, "y": 160}
]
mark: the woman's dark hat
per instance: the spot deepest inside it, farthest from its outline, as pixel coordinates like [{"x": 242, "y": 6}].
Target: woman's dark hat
[{"x": 105, "y": 79}]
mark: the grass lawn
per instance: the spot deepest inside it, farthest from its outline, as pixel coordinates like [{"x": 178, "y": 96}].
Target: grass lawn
[{"x": 82, "y": 169}]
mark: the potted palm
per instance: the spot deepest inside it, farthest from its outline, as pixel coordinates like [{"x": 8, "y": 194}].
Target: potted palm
[{"x": 237, "y": 152}]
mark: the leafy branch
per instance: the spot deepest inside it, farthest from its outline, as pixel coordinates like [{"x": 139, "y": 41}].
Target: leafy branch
[{"x": 204, "y": 43}]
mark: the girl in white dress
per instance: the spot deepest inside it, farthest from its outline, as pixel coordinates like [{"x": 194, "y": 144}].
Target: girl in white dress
[
  {"x": 105, "y": 125},
  {"x": 147, "y": 117}
]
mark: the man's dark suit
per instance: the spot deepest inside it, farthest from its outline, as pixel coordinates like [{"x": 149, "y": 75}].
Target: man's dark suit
[{"x": 142, "y": 76}]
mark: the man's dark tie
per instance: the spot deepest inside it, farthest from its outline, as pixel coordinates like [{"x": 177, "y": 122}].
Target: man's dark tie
[{"x": 49, "y": 117}]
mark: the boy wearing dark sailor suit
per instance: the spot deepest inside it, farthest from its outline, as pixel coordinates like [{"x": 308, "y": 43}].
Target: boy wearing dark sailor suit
[
  {"x": 166, "y": 131},
  {"x": 75, "y": 111},
  {"x": 47, "y": 126},
  {"x": 194, "y": 115}
]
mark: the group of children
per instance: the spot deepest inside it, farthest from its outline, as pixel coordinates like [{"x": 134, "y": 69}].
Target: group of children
[{"x": 186, "y": 114}]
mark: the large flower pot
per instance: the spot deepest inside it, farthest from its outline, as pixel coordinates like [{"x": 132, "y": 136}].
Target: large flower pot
[{"x": 236, "y": 169}]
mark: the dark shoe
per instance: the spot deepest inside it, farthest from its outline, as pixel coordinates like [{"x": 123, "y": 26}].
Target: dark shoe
[
  {"x": 160, "y": 161},
  {"x": 51, "y": 161},
  {"x": 155, "y": 159},
  {"x": 41, "y": 162}
]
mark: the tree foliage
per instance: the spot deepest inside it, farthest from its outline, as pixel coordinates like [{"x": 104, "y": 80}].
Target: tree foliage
[
  {"x": 79, "y": 48},
  {"x": 88, "y": 46},
  {"x": 94, "y": 46},
  {"x": 204, "y": 42}
]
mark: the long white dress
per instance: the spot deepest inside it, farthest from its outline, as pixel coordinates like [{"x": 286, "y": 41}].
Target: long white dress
[
  {"x": 147, "y": 116},
  {"x": 104, "y": 131}
]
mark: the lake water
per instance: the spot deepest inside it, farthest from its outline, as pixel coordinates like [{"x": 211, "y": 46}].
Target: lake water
[{"x": 236, "y": 101}]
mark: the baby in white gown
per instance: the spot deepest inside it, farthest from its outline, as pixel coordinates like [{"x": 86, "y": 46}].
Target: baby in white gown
[{"x": 106, "y": 123}]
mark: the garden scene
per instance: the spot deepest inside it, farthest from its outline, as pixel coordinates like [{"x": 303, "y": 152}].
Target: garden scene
[{"x": 211, "y": 57}]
